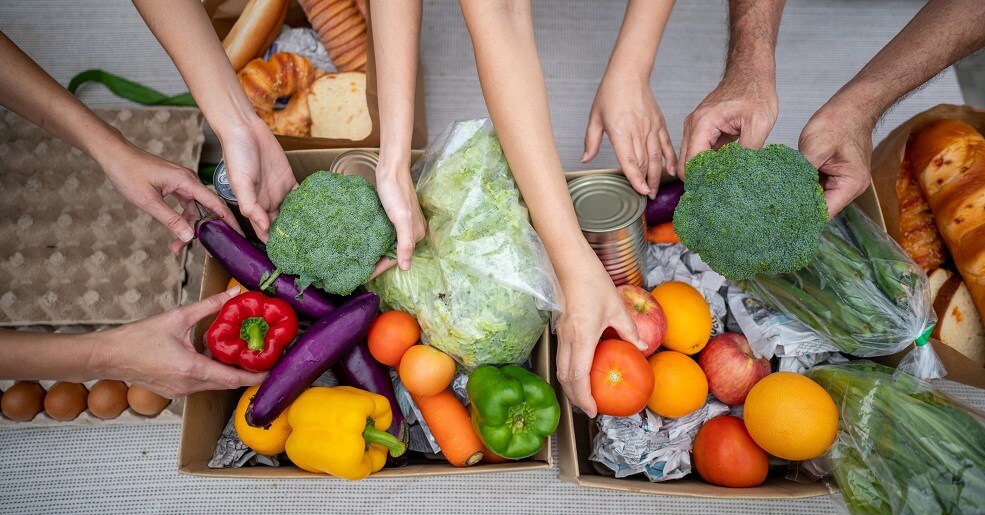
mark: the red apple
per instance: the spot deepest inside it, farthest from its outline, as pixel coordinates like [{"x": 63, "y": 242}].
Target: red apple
[
  {"x": 731, "y": 367},
  {"x": 651, "y": 323}
]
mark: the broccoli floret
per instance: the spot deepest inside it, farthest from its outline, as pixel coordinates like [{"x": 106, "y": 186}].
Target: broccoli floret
[
  {"x": 331, "y": 232},
  {"x": 749, "y": 212}
]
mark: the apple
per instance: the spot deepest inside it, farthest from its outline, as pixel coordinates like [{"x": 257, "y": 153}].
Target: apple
[
  {"x": 731, "y": 367},
  {"x": 649, "y": 317}
]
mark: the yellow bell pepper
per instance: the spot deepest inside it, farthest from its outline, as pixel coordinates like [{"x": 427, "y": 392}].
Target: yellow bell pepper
[{"x": 341, "y": 431}]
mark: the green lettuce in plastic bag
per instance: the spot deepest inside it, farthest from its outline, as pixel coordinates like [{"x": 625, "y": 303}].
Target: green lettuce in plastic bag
[{"x": 480, "y": 285}]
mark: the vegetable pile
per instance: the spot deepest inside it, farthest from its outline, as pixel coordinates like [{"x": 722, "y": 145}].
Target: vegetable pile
[{"x": 749, "y": 212}]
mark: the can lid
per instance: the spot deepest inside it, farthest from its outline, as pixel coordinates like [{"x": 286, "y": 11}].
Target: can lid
[
  {"x": 356, "y": 162},
  {"x": 220, "y": 181},
  {"x": 605, "y": 202}
]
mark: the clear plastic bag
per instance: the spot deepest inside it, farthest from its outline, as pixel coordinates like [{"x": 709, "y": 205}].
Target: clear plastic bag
[
  {"x": 481, "y": 284},
  {"x": 861, "y": 292},
  {"x": 903, "y": 446}
]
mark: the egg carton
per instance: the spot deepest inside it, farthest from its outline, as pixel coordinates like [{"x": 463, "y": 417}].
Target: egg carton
[{"x": 170, "y": 415}]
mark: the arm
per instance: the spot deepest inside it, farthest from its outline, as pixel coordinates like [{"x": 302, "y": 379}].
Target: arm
[
  {"x": 258, "y": 170},
  {"x": 156, "y": 353},
  {"x": 744, "y": 105},
  {"x": 30, "y": 92},
  {"x": 838, "y": 138},
  {"x": 516, "y": 96},
  {"x": 624, "y": 106},
  {"x": 396, "y": 36}
]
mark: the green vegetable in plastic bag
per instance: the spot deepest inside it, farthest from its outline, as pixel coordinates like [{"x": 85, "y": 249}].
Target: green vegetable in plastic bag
[
  {"x": 480, "y": 285},
  {"x": 903, "y": 447}
]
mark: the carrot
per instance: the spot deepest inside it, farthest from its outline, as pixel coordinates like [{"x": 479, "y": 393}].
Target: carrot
[
  {"x": 662, "y": 233},
  {"x": 451, "y": 427}
]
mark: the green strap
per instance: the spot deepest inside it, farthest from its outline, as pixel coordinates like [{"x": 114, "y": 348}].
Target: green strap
[
  {"x": 925, "y": 337},
  {"x": 130, "y": 90}
]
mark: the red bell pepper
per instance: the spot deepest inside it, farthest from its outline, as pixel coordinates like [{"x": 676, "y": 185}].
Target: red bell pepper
[{"x": 252, "y": 331}]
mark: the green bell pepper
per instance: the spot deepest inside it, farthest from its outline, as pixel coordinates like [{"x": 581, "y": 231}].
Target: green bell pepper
[{"x": 513, "y": 410}]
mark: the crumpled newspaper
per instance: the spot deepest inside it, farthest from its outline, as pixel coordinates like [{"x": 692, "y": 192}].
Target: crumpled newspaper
[
  {"x": 646, "y": 443},
  {"x": 771, "y": 332},
  {"x": 677, "y": 263},
  {"x": 419, "y": 437},
  {"x": 304, "y": 42},
  {"x": 804, "y": 362}
]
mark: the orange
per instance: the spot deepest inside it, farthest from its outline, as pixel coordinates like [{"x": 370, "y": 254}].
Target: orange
[
  {"x": 679, "y": 385},
  {"x": 688, "y": 317},
  {"x": 426, "y": 371},
  {"x": 233, "y": 282},
  {"x": 268, "y": 440},
  {"x": 791, "y": 416},
  {"x": 391, "y": 334}
]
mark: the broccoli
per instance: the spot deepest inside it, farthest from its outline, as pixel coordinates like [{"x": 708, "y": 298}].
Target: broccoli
[
  {"x": 749, "y": 212},
  {"x": 331, "y": 232}
]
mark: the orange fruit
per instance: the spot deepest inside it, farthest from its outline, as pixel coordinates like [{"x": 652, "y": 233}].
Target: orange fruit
[
  {"x": 233, "y": 282},
  {"x": 391, "y": 334},
  {"x": 679, "y": 385},
  {"x": 791, "y": 416},
  {"x": 426, "y": 371},
  {"x": 268, "y": 440},
  {"x": 688, "y": 317}
]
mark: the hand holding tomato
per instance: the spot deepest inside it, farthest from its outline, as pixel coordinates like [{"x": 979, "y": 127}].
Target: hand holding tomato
[{"x": 621, "y": 378}]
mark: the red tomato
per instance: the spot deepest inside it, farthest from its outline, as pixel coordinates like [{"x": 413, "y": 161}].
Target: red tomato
[
  {"x": 725, "y": 454},
  {"x": 621, "y": 378}
]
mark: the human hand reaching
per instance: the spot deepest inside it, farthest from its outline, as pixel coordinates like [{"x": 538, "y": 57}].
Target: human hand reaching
[{"x": 399, "y": 199}]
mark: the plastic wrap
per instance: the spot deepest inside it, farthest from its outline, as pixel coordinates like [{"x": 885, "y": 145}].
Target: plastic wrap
[
  {"x": 861, "y": 292},
  {"x": 480, "y": 284},
  {"x": 903, "y": 446}
]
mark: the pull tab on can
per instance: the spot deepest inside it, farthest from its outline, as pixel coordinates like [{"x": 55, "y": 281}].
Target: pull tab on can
[{"x": 221, "y": 183}]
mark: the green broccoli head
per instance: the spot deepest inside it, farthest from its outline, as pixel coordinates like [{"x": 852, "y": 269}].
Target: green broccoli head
[
  {"x": 331, "y": 232},
  {"x": 749, "y": 212}
]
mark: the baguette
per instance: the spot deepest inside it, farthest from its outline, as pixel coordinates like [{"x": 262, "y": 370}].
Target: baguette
[
  {"x": 958, "y": 324},
  {"x": 948, "y": 158},
  {"x": 917, "y": 233},
  {"x": 254, "y": 31}
]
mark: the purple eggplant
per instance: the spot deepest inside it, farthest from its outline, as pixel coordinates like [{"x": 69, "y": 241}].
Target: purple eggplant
[
  {"x": 660, "y": 209},
  {"x": 358, "y": 368},
  {"x": 320, "y": 347},
  {"x": 250, "y": 265}
]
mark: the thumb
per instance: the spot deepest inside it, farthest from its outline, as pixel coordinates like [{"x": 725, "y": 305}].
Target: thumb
[
  {"x": 405, "y": 247},
  {"x": 157, "y": 208},
  {"x": 208, "y": 306},
  {"x": 626, "y": 329},
  {"x": 216, "y": 376},
  {"x": 258, "y": 219},
  {"x": 593, "y": 138}
]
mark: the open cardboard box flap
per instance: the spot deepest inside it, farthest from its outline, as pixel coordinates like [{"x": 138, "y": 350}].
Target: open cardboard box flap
[{"x": 206, "y": 413}]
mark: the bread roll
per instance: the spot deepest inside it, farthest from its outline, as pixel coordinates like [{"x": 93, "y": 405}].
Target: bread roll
[
  {"x": 948, "y": 158},
  {"x": 338, "y": 107},
  {"x": 918, "y": 234},
  {"x": 285, "y": 74},
  {"x": 254, "y": 31}
]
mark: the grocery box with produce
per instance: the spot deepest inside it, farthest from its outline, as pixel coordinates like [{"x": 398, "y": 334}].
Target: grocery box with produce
[
  {"x": 452, "y": 376},
  {"x": 758, "y": 380}
]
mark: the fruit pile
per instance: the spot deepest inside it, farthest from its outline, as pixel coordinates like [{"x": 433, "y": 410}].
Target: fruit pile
[{"x": 784, "y": 414}]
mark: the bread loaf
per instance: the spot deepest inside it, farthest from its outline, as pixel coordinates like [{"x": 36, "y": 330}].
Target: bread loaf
[
  {"x": 948, "y": 159},
  {"x": 342, "y": 29},
  {"x": 254, "y": 31},
  {"x": 958, "y": 324},
  {"x": 338, "y": 107},
  {"x": 918, "y": 234}
]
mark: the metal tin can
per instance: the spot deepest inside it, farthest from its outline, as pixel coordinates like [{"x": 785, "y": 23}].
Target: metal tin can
[
  {"x": 357, "y": 162},
  {"x": 220, "y": 180},
  {"x": 610, "y": 213}
]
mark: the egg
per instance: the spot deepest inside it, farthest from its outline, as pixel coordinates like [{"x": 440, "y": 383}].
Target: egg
[
  {"x": 146, "y": 402},
  {"x": 65, "y": 401},
  {"x": 108, "y": 398},
  {"x": 23, "y": 401}
]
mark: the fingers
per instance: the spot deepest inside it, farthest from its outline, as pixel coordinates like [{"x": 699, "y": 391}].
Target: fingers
[
  {"x": 575, "y": 353},
  {"x": 155, "y": 206},
  {"x": 593, "y": 137},
  {"x": 405, "y": 244},
  {"x": 654, "y": 157},
  {"x": 258, "y": 218},
  {"x": 216, "y": 376},
  {"x": 197, "y": 191},
  {"x": 701, "y": 132},
  {"x": 192, "y": 313},
  {"x": 382, "y": 266},
  {"x": 839, "y": 191},
  {"x": 755, "y": 130},
  {"x": 626, "y": 328},
  {"x": 629, "y": 157},
  {"x": 667, "y": 146}
]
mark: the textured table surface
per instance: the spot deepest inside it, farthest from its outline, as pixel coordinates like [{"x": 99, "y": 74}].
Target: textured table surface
[{"x": 97, "y": 470}]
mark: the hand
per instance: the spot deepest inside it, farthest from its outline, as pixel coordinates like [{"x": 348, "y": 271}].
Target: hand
[
  {"x": 744, "y": 106},
  {"x": 145, "y": 180},
  {"x": 591, "y": 305},
  {"x": 838, "y": 142},
  {"x": 157, "y": 353},
  {"x": 627, "y": 112},
  {"x": 258, "y": 172},
  {"x": 399, "y": 199}
]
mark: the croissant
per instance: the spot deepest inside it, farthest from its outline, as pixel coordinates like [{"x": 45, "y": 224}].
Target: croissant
[
  {"x": 342, "y": 29},
  {"x": 284, "y": 75}
]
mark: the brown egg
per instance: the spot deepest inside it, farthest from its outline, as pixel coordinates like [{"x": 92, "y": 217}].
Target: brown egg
[
  {"x": 65, "y": 401},
  {"x": 146, "y": 402},
  {"x": 108, "y": 398},
  {"x": 23, "y": 401}
]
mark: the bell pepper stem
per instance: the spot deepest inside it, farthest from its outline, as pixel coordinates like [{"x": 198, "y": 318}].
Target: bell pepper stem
[
  {"x": 392, "y": 443},
  {"x": 253, "y": 330},
  {"x": 268, "y": 281}
]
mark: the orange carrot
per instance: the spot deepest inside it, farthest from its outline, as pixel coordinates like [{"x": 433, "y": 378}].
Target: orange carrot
[
  {"x": 662, "y": 233},
  {"x": 451, "y": 426}
]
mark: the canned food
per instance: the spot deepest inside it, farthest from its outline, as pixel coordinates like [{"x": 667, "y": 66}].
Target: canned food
[
  {"x": 220, "y": 180},
  {"x": 356, "y": 162},
  {"x": 610, "y": 213}
]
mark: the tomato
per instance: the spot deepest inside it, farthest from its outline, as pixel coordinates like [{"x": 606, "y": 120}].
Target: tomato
[
  {"x": 426, "y": 371},
  {"x": 621, "y": 378},
  {"x": 391, "y": 334},
  {"x": 725, "y": 454}
]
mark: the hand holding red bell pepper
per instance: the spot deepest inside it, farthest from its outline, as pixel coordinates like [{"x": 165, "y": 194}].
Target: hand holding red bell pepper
[{"x": 252, "y": 331}]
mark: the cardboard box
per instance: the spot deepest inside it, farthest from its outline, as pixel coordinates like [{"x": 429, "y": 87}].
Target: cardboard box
[
  {"x": 224, "y": 13},
  {"x": 575, "y": 444},
  {"x": 206, "y": 413}
]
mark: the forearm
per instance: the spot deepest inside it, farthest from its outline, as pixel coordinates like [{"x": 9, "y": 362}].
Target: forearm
[
  {"x": 942, "y": 33},
  {"x": 184, "y": 30},
  {"x": 516, "y": 97},
  {"x": 639, "y": 38},
  {"x": 30, "y": 92},
  {"x": 396, "y": 37},
  {"x": 64, "y": 357},
  {"x": 753, "y": 29}
]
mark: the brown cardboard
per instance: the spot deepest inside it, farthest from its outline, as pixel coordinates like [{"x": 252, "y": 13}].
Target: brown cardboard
[
  {"x": 574, "y": 444},
  {"x": 206, "y": 413},
  {"x": 223, "y": 14}
]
